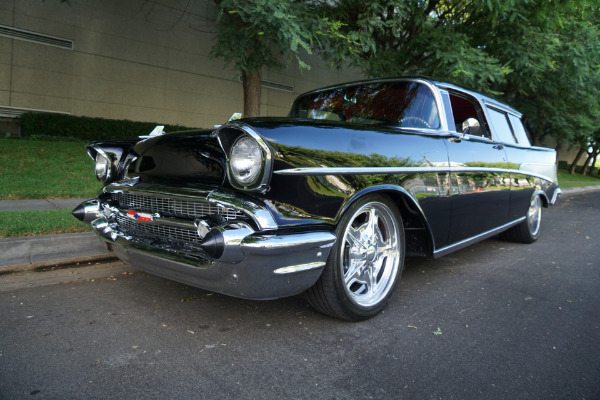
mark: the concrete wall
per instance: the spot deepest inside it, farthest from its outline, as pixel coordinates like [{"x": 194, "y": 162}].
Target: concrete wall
[{"x": 136, "y": 59}]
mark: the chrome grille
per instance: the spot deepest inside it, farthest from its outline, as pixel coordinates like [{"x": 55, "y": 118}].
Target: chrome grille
[
  {"x": 156, "y": 231},
  {"x": 173, "y": 207}
]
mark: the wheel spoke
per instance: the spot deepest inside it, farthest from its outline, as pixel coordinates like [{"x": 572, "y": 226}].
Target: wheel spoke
[
  {"x": 355, "y": 239},
  {"x": 371, "y": 281},
  {"x": 372, "y": 225},
  {"x": 354, "y": 272}
]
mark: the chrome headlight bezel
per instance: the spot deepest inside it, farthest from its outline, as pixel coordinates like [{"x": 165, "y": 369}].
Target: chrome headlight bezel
[
  {"x": 103, "y": 167},
  {"x": 238, "y": 137},
  {"x": 246, "y": 160}
]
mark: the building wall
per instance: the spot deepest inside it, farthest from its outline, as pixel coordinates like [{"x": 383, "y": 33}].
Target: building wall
[
  {"x": 142, "y": 60},
  {"x": 136, "y": 59}
]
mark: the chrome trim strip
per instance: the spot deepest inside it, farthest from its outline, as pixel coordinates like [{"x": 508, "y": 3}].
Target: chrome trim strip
[
  {"x": 401, "y": 170},
  {"x": 298, "y": 268},
  {"x": 266, "y": 245},
  {"x": 467, "y": 242}
]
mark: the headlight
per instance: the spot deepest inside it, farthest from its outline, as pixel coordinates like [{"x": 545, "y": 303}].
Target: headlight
[
  {"x": 245, "y": 160},
  {"x": 103, "y": 167}
]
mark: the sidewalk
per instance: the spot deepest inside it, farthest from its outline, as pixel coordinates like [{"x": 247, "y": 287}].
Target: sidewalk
[
  {"x": 35, "y": 251},
  {"x": 36, "y": 205}
]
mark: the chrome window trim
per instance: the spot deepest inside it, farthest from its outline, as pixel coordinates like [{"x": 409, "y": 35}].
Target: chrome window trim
[{"x": 501, "y": 107}]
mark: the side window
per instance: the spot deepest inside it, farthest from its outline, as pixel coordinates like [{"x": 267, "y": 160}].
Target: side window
[
  {"x": 499, "y": 122},
  {"x": 465, "y": 110},
  {"x": 519, "y": 130}
]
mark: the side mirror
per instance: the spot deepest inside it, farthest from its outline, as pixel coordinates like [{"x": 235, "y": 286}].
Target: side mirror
[{"x": 471, "y": 127}]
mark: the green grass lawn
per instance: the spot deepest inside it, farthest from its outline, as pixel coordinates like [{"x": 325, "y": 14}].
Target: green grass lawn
[
  {"x": 32, "y": 169},
  {"x": 567, "y": 180},
  {"x": 34, "y": 223}
]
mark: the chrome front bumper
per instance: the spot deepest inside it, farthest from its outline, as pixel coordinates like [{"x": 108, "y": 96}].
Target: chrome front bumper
[{"x": 234, "y": 259}]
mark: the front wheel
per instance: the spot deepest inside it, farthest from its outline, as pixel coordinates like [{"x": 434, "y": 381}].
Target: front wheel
[
  {"x": 365, "y": 264},
  {"x": 528, "y": 230}
]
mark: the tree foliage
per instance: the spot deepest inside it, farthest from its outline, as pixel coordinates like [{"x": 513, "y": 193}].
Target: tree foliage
[
  {"x": 261, "y": 34},
  {"x": 542, "y": 57}
]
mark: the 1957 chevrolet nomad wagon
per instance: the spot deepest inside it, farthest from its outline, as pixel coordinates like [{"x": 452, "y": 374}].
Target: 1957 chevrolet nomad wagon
[{"x": 328, "y": 201}]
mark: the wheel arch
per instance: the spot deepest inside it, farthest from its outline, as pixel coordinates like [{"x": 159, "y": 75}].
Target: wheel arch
[
  {"x": 543, "y": 196},
  {"x": 418, "y": 235}
]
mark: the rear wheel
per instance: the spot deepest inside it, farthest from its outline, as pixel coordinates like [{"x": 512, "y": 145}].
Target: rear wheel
[
  {"x": 365, "y": 264},
  {"x": 528, "y": 230}
]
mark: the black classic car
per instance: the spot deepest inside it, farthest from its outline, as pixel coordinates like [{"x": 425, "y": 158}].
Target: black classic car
[{"x": 328, "y": 201}]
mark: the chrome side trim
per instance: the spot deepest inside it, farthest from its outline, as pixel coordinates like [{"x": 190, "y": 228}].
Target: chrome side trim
[
  {"x": 360, "y": 170},
  {"x": 467, "y": 242},
  {"x": 402, "y": 170},
  {"x": 298, "y": 268}
]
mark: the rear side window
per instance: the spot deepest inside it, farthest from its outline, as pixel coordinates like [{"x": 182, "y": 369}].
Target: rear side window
[
  {"x": 519, "y": 130},
  {"x": 502, "y": 131}
]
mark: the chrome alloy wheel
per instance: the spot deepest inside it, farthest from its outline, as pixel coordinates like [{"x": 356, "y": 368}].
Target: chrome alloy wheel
[
  {"x": 534, "y": 215},
  {"x": 370, "y": 254}
]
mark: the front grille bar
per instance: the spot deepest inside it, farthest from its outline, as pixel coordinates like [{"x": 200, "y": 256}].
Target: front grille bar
[{"x": 172, "y": 207}]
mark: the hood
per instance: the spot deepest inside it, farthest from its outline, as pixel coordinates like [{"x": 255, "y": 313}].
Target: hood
[{"x": 181, "y": 157}]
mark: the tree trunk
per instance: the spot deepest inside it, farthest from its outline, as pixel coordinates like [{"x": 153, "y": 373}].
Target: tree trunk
[
  {"x": 577, "y": 157},
  {"x": 251, "y": 82},
  {"x": 586, "y": 164}
]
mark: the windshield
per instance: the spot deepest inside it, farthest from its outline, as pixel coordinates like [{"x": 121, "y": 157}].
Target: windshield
[{"x": 404, "y": 104}]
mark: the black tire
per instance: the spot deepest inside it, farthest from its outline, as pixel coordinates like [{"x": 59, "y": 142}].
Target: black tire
[
  {"x": 365, "y": 264},
  {"x": 529, "y": 230}
]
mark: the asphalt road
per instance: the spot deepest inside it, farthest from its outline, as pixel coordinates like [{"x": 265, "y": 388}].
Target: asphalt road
[{"x": 493, "y": 321}]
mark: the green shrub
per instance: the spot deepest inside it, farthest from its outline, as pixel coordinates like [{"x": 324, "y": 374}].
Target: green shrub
[{"x": 67, "y": 127}]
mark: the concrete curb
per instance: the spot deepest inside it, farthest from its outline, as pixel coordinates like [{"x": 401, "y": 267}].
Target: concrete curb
[
  {"x": 50, "y": 249},
  {"x": 580, "y": 190},
  {"x": 39, "y": 251}
]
